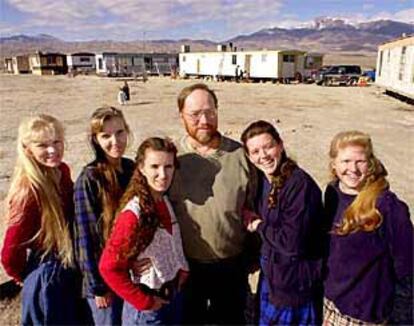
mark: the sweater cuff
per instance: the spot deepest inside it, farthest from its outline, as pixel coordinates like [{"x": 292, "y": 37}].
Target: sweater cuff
[
  {"x": 147, "y": 303},
  {"x": 261, "y": 229}
]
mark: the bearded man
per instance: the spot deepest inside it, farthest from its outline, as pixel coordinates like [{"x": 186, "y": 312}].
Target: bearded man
[{"x": 210, "y": 189}]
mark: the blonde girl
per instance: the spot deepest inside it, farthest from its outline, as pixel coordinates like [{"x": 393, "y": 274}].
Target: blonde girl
[
  {"x": 98, "y": 190},
  {"x": 370, "y": 264},
  {"x": 37, "y": 250}
]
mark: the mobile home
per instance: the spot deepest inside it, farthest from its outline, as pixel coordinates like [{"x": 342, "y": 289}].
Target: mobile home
[
  {"x": 260, "y": 64},
  {"x": 17, "y": 65},
  {"x": 161, "y": 63},
  {"x": 48, "y": 63},
  {"x": 128, "y": 64},
  {"x": 119, "y": 64},
  {"x": 395, "y": 66},
  {"x": 8, "y": 65},
  {"x": 83, "y": 62}
]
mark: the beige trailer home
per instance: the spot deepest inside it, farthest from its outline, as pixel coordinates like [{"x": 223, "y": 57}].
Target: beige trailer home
[
  {"x": 8, "y": 65},
  {"x": 17, "y": 65},
  {"x": 395, "y": 66},
  {"x": 260, "y": 64}
]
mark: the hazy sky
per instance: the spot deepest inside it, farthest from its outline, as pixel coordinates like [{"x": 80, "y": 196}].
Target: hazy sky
[{"x": 216, "y": 20}]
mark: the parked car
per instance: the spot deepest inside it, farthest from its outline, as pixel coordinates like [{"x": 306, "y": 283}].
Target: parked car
[
  {"x": 316, "y": 73},
  {"x": 339, "y": 74}
]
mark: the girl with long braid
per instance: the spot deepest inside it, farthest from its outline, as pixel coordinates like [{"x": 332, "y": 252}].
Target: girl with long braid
[
  {"x": 147, "y": 227},
  {"x": 289, "y": 204}
]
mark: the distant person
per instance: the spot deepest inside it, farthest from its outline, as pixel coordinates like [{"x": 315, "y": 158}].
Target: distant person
[
  {"x": 147, "y": 228},
  {"x": 209, "y": 190},
  {"x": 98, "y": 190},
  {"x": 145, "y": 76},
  {"x": 237, "y": 74},
  {"x": 183, "y": 74},
  {"x": 125, "y": 88},
  {"x": 121, "y": 96},
  {"x": 37, "y": 250},
  {"x": 290, "y": 224},
  {"x": 370, "y": 264}
]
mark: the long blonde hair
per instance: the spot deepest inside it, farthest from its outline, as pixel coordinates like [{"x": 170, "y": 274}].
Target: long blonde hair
[
  {"x": 362, "y": 213},
  {"x": 31, "y": 177},
  {"x": 109, "y": 190}
]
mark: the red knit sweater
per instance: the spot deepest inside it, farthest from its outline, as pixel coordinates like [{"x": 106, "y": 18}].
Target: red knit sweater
[{"x": 25, "y": 220}]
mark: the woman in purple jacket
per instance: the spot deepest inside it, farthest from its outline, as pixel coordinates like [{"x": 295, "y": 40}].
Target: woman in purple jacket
[
  {"x": 370, "y": 264},
  {"x": 289, "y": 204}
]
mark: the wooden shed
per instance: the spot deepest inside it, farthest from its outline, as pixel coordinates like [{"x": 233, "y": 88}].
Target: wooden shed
[{"x": 395, "y": 66}]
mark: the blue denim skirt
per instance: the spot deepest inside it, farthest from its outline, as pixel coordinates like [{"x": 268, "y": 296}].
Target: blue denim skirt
[{"x": 51, "y": 295}]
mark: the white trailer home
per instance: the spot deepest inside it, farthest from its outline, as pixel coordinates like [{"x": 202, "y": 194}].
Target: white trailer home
[
  {"x": 119, "y": 64},
  {"x": 81, "y": 62},
  {"x": 260, "y": 64},
  {"x": 133, "y": 64},
  {"x": 161, "y": 63},
  {"x": 395, "y": 66}
]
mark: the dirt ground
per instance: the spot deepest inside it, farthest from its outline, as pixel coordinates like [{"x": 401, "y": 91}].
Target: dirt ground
[{"x": 307, "y": 116}]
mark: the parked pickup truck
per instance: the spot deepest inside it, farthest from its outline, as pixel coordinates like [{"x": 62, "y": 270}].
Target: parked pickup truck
[{"x": 339, "y": 74}]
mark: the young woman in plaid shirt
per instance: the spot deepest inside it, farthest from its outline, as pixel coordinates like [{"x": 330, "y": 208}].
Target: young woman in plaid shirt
[{"x": 98, "y": 190}]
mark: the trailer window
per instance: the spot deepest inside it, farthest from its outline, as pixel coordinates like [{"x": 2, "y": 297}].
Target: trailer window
[
  {"x": 85, "y": 59},
  {"x": 264, "y": 57},
  {"x": 51, "y": 60},
  {"x": 402, "y": 63},
  {"x": 380, "y": 63},
  {"x": 288, "y": 58},
  {"x": 234, "y": 59},
  {"x": 183, "y": 58}
]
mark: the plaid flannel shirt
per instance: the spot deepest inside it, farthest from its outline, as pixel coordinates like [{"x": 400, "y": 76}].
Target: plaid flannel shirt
[{"x": 88, "y": 225}]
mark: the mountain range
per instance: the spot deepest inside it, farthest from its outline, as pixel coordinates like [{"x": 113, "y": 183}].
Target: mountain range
[{"x": 325, "y": 35}]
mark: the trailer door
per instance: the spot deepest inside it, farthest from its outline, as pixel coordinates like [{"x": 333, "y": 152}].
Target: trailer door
[
  {"x": 288, "y": 66},
  {"x": 247, "y": 60}
]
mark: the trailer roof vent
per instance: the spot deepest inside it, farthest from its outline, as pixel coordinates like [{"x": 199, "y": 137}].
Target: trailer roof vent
[
  {"x": 221, "y": 48},
  {"x": 185, "y": 48}
]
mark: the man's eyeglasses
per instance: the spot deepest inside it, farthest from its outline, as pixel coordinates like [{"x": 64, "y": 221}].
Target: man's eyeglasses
[{"x": 196, "y": 115}]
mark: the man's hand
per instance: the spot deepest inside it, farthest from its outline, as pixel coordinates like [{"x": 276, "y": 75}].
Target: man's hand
[{"x": 158, "y": 303}]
